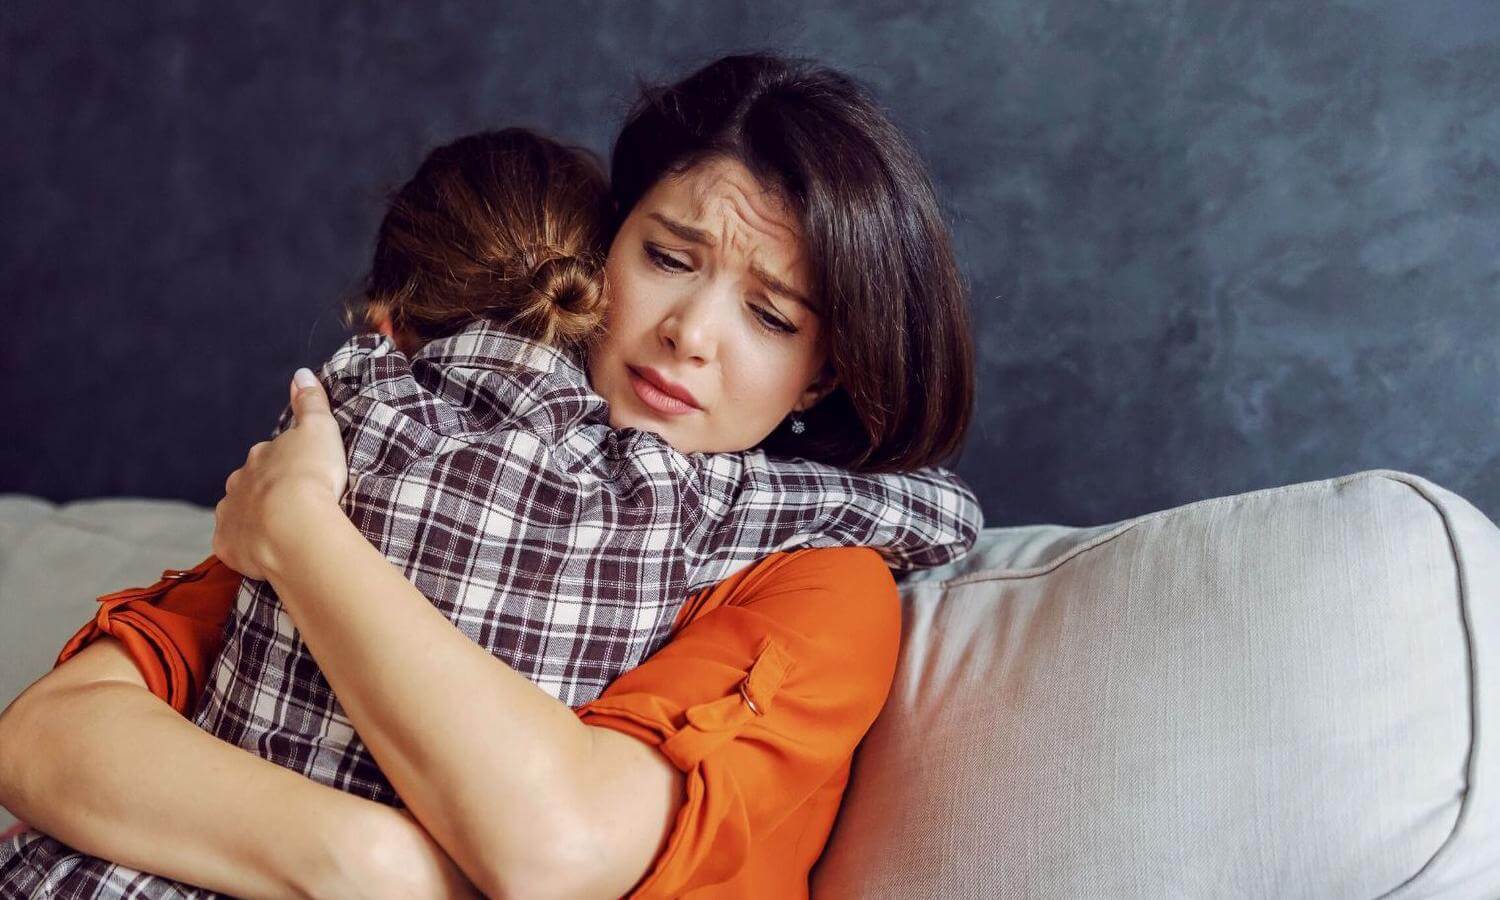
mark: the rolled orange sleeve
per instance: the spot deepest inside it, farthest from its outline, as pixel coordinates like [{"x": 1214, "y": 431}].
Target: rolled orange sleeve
[
  {"x": 173, "y": 630},
  {"x": 767, "y": 686}
]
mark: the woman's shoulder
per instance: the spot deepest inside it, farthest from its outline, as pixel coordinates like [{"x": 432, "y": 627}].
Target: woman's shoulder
[
  {"x": 846, "y": 596},
  {"x": 839, "y": 579},
  {"x": 829, "y": 617},
  {"x": 837, "y": 610}
]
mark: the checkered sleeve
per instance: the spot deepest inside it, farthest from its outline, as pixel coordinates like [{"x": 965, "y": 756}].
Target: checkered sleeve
[{"x": 750, "y": 504}]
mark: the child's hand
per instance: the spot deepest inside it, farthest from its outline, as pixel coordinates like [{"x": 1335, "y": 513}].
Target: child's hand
[{"x": 267, "y": 497}]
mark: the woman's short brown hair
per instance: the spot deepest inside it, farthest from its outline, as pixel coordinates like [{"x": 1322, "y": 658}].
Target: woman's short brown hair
[
  {"x": 896, "y": 319},
  {"x": 507, "y": 225}
]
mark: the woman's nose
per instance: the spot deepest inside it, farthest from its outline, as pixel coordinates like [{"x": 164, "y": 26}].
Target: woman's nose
[{"x": 690, "y": 331}]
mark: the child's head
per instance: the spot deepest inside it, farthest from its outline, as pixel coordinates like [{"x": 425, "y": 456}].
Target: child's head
[{"x": 506, "y": 225}]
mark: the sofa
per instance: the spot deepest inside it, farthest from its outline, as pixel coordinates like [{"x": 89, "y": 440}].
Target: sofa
[{"x": 1282, "y": 693}]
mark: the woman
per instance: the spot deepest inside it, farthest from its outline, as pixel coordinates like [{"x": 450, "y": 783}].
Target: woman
[{"x": 718, "y": 764}]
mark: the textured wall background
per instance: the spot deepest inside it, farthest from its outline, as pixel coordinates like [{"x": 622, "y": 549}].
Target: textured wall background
[{"x": 1213, "y": 247}]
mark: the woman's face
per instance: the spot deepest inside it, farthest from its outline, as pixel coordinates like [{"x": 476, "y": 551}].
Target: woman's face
[{"x": 710, "y": 288}]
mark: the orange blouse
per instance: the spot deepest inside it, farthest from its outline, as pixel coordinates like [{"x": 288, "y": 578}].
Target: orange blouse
[{"x": 770, "y": 680}]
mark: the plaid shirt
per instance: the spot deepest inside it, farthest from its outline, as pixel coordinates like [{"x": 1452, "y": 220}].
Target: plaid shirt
[{"x": 485, "y": 467}]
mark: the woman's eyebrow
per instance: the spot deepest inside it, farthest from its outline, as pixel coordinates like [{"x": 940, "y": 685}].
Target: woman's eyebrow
[
  {"x": 698, "y": 236},
  {"x": 777, "y": 286},
  {"x": 684, "y": 231}
]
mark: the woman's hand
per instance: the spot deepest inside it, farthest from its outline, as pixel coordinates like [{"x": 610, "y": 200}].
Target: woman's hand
[{"x": 266, "y": 497}]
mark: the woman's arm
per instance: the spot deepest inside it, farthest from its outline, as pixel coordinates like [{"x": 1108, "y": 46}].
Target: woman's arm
[
  {"x": 91, "y": 757},
  {"x": 502, "y": 774}
]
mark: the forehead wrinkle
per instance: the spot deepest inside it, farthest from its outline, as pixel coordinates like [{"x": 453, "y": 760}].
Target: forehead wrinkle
[
  {"x": 726, "y": 191},
  {"x": 741, "y": 213}
]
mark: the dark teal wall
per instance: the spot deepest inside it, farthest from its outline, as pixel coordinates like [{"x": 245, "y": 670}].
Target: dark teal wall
[{"x": 1213, "y": 247}]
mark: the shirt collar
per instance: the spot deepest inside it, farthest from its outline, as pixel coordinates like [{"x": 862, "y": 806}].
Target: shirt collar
[{"x": 484, "y": 344}]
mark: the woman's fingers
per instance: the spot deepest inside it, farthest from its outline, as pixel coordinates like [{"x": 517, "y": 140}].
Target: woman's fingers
[
  {"x": 217, "y": 545},
  {"x": 297, "y": 463},
  {"x": 308, "y": 396},
  {"x": 302, "y": 378}
]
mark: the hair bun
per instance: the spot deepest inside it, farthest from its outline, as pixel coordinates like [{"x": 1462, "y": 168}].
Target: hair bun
[
  {"x": 569, "y": 283},
  {"x": 566, "y": 304}
]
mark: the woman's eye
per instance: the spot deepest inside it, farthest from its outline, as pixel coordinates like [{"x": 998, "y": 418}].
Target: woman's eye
[
  {"x": 773, "y": 322},
  {"x": 669, "y": 263},
  {"x": 665, "y": 262}
]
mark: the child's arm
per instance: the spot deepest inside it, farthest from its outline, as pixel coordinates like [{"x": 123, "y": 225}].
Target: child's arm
[{"x": 749, "y": 504}]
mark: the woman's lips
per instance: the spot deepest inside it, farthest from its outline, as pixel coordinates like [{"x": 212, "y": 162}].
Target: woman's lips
[{"x": 655, "y": 399}]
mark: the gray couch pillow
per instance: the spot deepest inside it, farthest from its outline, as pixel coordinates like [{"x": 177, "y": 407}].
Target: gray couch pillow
[
  {"x": 55, "y": 561},
  {"x": 1284, "y": 693}
]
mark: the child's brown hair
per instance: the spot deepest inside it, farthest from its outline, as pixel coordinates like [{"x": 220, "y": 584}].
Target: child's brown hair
[{"x": 507, "y": 225}]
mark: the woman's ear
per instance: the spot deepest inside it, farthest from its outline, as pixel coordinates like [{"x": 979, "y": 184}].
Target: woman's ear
[{"x": 821, "y": 387}]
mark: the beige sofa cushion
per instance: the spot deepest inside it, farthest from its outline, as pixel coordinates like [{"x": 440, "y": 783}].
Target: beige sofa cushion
[
  {"x": 56, "y": 559},
  {"x": 1279, "y": 693},
  {"x": 1284, "y": 693}
]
